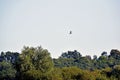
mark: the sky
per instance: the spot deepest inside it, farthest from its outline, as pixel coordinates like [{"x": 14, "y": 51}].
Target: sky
[{"x": 95, "y": 25}]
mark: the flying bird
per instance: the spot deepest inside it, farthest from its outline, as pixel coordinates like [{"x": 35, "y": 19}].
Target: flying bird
[{"x": 70, "y": 32}]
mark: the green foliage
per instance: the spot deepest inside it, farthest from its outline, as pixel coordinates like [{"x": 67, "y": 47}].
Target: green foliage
[
  {"x": 34, "y": 63},
  {"x": 33, "y": 75},
  {"x": 71, "y": 54},
  {"x": 56, "y": 74},
  {"x": 36, "y": 59},
  {"x": 6, "y": 70},
  {"x": 70, "y": 73},
  {"x": 116, "y": 72},
  {"x": 73, "y": 58},
  {"x": 74, "y": 73},
  {"x": 42, "y": 60},
  {"x": 26, "y": 59}
]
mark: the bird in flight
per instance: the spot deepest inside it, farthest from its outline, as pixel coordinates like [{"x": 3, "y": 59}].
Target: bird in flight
[{"x": 70, "y": 32}]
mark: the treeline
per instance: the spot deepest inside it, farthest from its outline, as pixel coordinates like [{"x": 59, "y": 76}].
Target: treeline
[
  {"x": 74, "y": 58},
  {"x": 35, "y": 63}
]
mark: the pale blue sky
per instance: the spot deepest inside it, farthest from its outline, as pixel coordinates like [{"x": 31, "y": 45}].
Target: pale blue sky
[{"x": 95, "y": 25}]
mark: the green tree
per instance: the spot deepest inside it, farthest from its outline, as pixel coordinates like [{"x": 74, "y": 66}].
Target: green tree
[
  {"x": 42, "y": 60},
  {"x": 26, "y": 58},
  {"x": 6, "y": 70},
  {"x": 116, "y": 72},
  {"x": 115, "y": 53},
  {"x": 71, "y": 73},
  {"x": 35, "y": 62}
]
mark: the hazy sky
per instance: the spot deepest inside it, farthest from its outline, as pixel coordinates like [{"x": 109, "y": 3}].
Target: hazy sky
[{"x": 95, "y": 25}]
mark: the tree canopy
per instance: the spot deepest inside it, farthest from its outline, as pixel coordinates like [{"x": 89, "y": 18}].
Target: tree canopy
[{"x": 35, "y": 63}]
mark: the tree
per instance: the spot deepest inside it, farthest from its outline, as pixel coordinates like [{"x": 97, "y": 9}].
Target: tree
[
  {"x": 104, "y": 54},
  {"x": 42, "y": 60},
  {"x": 26, "y": 58},
  {"x": 6, "y": 70},
  {"x": 35, "y": 60},
  {"x": 71, "y": 73},
  {"x": 116, "y": 72},
  {"x": 71, "y": 54},
  {"x": 115, "y": 53}
]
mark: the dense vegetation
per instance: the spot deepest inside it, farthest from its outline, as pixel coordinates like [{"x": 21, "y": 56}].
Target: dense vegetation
[
  {"x": 74, "y": 58},
  {"x": 37, "y": 64}
]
